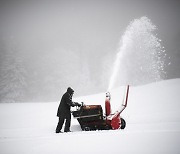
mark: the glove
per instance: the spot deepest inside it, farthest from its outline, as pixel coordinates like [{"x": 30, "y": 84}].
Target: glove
[{"x": 77, "y": 104}]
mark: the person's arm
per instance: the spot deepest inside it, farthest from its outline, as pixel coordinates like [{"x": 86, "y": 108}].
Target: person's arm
[{"x": 69, "y": 100}]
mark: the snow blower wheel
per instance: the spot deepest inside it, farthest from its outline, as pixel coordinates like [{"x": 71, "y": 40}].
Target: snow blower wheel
[{"x": 123, "y": 123}]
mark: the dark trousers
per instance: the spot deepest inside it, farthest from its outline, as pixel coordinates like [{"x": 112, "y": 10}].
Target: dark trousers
[{"x": 61, "y": 122}]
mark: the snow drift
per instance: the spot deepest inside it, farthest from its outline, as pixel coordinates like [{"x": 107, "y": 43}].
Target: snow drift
[{"x": 152, "y": 117}]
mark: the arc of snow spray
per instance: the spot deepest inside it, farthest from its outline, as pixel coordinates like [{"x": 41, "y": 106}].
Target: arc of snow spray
[{"x": 125, "y": 40}]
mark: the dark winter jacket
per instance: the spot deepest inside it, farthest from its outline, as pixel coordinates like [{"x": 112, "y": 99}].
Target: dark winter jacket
[{"x": 65, "y": 104}]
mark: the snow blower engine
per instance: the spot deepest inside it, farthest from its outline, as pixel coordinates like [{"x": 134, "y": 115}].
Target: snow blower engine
[{"x": 90, "y": 117}]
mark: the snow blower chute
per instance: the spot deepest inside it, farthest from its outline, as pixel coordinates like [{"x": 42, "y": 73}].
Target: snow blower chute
[{"x": 90, "y": 117}]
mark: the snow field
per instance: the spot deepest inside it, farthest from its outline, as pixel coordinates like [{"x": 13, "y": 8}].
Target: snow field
[{"x": 152, "y": 117}]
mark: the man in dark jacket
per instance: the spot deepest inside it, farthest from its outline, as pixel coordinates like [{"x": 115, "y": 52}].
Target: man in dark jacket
[{"x": 64, "y": 111}]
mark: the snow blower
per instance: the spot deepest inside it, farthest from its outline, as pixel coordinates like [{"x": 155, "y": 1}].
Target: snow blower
[{"x": 90, "y": 117}]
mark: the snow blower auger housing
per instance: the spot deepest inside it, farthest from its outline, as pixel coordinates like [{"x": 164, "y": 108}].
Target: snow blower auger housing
[{"x": 90, "y": 117}]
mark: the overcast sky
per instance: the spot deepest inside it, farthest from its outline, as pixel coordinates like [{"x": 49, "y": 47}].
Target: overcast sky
[{"x": 91, "y": 27}]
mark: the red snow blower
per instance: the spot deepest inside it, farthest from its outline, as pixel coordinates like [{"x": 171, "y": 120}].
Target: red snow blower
[{"x": 90, "y": 117}]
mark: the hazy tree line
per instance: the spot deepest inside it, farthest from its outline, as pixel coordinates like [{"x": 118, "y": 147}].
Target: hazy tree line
[{"x": 28, "y": 74}]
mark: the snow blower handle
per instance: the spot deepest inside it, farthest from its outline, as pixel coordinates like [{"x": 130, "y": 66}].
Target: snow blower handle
[
  {"x": 77, "y": 104},
  {"x": 82, "y": 103}
]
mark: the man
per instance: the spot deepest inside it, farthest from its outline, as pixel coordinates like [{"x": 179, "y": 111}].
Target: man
[{"x": 64, "y": 111}]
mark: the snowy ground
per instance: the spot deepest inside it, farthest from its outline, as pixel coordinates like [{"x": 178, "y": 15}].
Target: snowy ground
[{"x": 152, "y": 117}]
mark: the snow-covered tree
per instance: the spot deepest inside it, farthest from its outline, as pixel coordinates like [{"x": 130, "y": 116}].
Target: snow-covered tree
[{"x": 12, "y": 76}]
